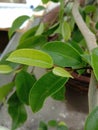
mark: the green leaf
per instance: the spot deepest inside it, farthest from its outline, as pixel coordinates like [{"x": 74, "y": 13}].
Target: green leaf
[
  {"x": 40, "y": 29},
  {"x": 90, "y": 9},
  {"x": 66, "y": 31},
  {"x": 33, "y": 42},
  {"x": 23, "y": 87},
  {"x": 17, "y": 111},
  {"x": 92, "y": 120},
  {"x": 5, "y": 69},
  {"x": 46, "y": 86},
  {"x": 94, "y": 61},
  {"x": 29, "y": 33},
  {"x": 42, "y": 126},
  {"x": 52, "y": 123},
  {"x": 62, "y": 126},
  {"x": 45, "y": 1},
  {"x": 31, "y": 57},
  {"x": 5, "y": 89},
  {"x": 63, "y": 54},
  {"x": 87, "y": 58},
  {"x": 39, "y": 8},
  {"x": 76, "y": 46},
  {"x": 96, "y": 25},
  {"x": 17, "y": 24},
  {"x": 55, "y": 0},
  {"x": 60, "y": 95},
  {"x": 61, "y": 72}
]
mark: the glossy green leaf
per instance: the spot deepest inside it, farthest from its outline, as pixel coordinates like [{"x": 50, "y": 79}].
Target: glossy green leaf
[
  {"x": 66, "y": 31},
  {"x": 17, "y": 112},
  {"x": 33, "y": 42},
  {"x": 46, "y": 86},
  {"x": 31, "y": 57},
  {"x": 61, "y": 72},
  {"x": 94, "y": 61},
  {"x": 92, "y": 120},
  {"x": 87, "y": 58},
  {"x": 63, "y": 54},
  {"x": 5, "y": 89},
  {"x": 23, "y": 87},
  {"x": 5, "y": 69},
  {"x": 76, "y": 46},
  {"x": 17, "y": 24},
  {"x": 39, "y": 8},
  {"x": 60, "y": 95}
]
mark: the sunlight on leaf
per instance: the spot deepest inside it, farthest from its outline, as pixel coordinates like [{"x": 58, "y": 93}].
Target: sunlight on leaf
[
  {"x": 5, "y": 69},
  {"x": 61, "y": 72},
  {"x": 31, "y": 57}
]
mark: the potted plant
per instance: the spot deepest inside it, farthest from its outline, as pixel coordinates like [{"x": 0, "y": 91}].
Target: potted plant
[{"x": 65, "y": 44}]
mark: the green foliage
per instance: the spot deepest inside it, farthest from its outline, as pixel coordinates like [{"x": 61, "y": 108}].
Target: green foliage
[
  {"x": 5, "y": 69},
  {"x": 92, "y": 120},
  {"x": 52, "y": 124},
  {"x": 59, "y": 95},
  {"x": 66, "y": 31},
  {"x": 51, "y": 46},
  {"x": 90, "y": 9},
  {"x": 39, "y": 8},
  {"x": 17, "y": 24},
  {"x": 23, "y": 88},
  {"x": 61, "y": 72},
  {"x": 46, "y": 86},
  {"x": 17, "y": 111},
  {"x": 63, "y": 54},
  {"x": 5, "y": 90},
  {"x": 31, "y": 57},
  {"x": 45, "y": 1},
  {"x": 33, "y": 42},
  {"x": 42, "y": 126},
  {"x": 94, "y": 58}
]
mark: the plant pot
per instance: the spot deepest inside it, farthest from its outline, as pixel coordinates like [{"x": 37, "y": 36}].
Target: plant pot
[{"x": 79, "y": 83}]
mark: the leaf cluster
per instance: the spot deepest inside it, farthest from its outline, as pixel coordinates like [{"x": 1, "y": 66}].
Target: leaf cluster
[{"x": 55, "y": 48}]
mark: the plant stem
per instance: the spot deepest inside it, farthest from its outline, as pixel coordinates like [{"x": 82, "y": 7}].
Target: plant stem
[{"x": 91, "y": 44}]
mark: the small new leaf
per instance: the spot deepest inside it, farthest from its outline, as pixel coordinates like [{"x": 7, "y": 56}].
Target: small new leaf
[
  {"x": 61, "y": 72},
  {"x": 66, "y": 31}
]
